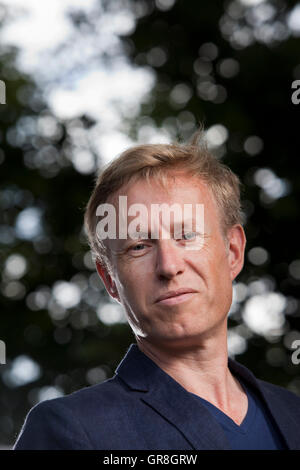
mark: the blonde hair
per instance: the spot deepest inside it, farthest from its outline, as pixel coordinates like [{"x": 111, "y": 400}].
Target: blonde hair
[{"x": 155, "y": 161}]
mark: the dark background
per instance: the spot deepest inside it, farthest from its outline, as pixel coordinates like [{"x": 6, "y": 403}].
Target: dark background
[{"x": 225, "y": 64}]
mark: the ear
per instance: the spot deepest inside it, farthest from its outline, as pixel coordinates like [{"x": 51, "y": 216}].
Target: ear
[
  {"x": 108, "y": 281},
  {"x": 236, "y": 249}
]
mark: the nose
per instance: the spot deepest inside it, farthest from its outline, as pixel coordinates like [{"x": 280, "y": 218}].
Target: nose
[{"x": 170, "y": 260}]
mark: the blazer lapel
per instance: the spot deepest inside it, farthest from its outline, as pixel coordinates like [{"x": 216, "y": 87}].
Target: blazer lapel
[
  {"x": 277, "y": 406},
  {"x": 172, "y": 401}
]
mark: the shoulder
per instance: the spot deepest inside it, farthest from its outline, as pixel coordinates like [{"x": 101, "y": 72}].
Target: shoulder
[
  {"x": 71, "y": 421},
  {"x": 86, "y": 401},
  {"x": 280, "y": 392}
]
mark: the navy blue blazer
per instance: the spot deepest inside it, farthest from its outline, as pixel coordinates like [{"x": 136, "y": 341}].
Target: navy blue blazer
[{"x": 142, "y": 407}]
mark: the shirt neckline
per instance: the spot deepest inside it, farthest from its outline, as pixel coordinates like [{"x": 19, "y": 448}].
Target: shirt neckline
[{"x": 226, "y": 421}]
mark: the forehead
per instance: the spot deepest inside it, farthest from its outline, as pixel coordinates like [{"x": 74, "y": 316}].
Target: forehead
[{"x": 176, "y": 187}]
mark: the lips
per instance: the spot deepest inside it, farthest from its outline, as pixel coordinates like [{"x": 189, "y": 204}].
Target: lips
[{"x": 175, "y": 293}]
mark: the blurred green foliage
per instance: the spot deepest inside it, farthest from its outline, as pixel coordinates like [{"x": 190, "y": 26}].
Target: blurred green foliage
[{"x": 220, "y": 63}]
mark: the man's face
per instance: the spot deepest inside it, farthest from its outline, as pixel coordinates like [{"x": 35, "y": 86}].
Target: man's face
[{"x": 146, "y": 269}]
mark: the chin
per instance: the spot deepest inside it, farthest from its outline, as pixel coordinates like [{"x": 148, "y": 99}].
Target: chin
[{"x": 175, "y": 336}]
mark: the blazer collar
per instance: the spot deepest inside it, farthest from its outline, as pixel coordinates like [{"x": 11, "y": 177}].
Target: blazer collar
[
  {"x": 188, "y": 414},
  {"x": 171, "y": 400}
]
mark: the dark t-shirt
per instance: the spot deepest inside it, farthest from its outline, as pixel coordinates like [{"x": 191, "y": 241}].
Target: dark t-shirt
[{"x": 258, "y": 431}]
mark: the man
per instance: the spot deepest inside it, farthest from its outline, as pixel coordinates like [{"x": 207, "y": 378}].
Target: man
[{"x": 172, "y": 271}]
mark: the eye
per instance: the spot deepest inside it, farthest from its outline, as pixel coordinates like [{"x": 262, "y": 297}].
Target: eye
[
  {"x": 189, "y": 236},
  {"x": 138, "y": 247}
]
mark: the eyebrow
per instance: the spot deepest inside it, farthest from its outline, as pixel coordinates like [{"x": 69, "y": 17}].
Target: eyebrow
[{"x": 177, "y": 226}]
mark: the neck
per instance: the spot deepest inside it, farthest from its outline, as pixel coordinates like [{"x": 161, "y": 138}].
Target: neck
[{"x": 201, "y": 369}]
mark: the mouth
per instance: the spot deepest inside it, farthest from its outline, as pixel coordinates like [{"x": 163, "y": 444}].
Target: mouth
[{"x": 176, "y": 297}]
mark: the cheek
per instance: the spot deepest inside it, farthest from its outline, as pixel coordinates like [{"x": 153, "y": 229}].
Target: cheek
[
  {"x": 223, "y": 280},
  {"x": 217, "y": 270},
  {"x": 134, "y": 272},
  {"x": 224, "y": 285},
  {"x": 129, "y": 284}
]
